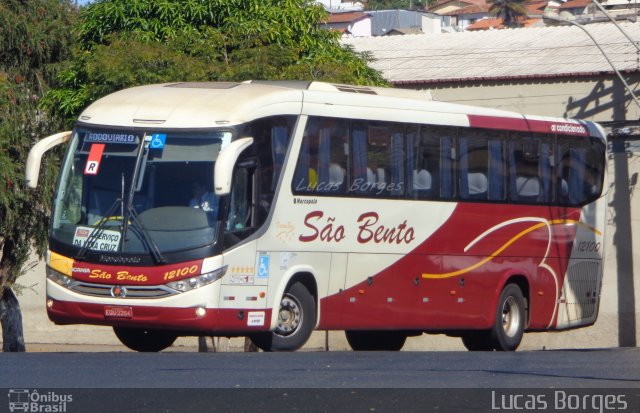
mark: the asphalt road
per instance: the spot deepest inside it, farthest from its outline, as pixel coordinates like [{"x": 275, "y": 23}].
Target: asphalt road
[{"x": 329, "y": 381}]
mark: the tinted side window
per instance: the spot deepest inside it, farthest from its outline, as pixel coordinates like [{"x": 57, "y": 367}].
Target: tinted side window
[
  {"x": 324, "y": 157},
  {"x": 378, "y": 159},
  {"x": 481, "y": 164},
  {"x": 581, "y": 170},
  {"x": 431, "y": 158},
  {"x": 531, "y": 169}
]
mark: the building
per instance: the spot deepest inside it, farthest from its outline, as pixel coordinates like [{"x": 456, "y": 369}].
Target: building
[
  {"x": 460, "y": 19},
  {"x": 555, "y": 71},
  {"x": 385, "y": 22},
  {"x": 458, "y": 16},
  {"x": 349, "y": 23}
]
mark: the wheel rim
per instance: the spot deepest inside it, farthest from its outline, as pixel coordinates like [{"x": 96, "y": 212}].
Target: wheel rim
[
  {"x": 289, "y": 317},
  {"x": 510, "y": 317}
]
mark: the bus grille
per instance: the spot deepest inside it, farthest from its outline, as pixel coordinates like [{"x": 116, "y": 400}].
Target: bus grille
[
  {"x": 132, "y": 291},
  {"x": 582, "y": 292}
]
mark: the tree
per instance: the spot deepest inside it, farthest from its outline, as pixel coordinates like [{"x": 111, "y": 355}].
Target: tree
[
  {"x": 32, "y": 35},
  {"x": 397, "y": 4},
  {"x": 512, "y": 12},
  {"x": 123, "y": 43}
]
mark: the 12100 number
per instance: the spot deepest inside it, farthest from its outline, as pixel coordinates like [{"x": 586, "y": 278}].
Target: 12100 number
[
  {"x": 588, "y": 246},
  {"x": 169, "y": 275}
]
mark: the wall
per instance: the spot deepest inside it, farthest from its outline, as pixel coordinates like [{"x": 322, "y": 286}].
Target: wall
[
  {"x": 361, "y": 28},
  {"x": 431, "y": 24},
  {"x": 596, "y": 98}
]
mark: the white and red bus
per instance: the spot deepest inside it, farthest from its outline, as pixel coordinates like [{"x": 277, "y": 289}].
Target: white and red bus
[{"x": 270, "y": 209}]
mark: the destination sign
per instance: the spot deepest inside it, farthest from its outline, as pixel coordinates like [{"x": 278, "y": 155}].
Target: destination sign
[{"x": 121, "y": 138}]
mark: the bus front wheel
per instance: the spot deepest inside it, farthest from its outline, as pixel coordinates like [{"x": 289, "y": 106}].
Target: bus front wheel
[
  {"x": 296, "y": 320},
  {"x": 144, "y": 340},
  {"x": 375, "y": 340}
]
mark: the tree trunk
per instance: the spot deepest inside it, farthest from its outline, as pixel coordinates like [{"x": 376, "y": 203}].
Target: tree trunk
[{"x": 11, "y": 320}]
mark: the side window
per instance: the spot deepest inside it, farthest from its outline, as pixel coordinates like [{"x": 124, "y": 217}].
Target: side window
[
  {"x": 473, "y": 180},
  {"x": 531, "y": 168},
  {"x": 240, "y": 205},
  {"x": 481, "y": 165},
  {"x": 323, "y": 158},
  {"x": 430, "y": 157},
  {"x": 581, "y": 170},
  {"x": 378, "y": 159}
]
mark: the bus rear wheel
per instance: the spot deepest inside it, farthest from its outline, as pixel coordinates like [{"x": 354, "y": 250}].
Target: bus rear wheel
[
  {"x": 296, "y": 320},
  {"x": 508, "y": 327},
  {"x": 145, "y": 340},
  {"x": 376, "y": 340}
]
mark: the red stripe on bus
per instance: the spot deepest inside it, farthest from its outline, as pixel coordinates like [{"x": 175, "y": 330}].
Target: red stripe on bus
[{"x": 528, "y": 125}]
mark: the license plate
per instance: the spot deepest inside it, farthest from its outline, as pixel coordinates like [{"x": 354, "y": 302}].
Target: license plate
[{"x": 118, "y": 312}]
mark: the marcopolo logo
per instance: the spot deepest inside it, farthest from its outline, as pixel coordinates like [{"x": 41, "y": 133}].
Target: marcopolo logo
[{"x": 24, "y": 400}]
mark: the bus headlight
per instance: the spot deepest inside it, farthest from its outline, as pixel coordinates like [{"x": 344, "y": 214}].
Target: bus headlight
[
  {"x": 192, "y": 283},
  {"x": 58, "y": 277}
]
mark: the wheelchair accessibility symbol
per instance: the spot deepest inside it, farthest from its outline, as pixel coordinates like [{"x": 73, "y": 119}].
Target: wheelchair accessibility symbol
[
  {"x": 158, "y": 140},
  {"x": 263, "y": 266}
]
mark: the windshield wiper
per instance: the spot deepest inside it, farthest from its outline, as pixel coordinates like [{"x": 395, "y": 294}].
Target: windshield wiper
[
  {"x": 130, "y": 213},
  {"x": 144, "y": 235}
]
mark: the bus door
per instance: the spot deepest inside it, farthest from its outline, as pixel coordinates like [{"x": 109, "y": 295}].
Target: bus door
[{"x": 248, "y": 270}]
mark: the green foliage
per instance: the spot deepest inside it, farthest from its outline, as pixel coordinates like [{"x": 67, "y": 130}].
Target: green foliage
[
  {"x": 123, "y": 43},
  {"x": 32, "y": 35},
  {"x": 397, "y": 4},
  {"x": 512, "y": 12}
]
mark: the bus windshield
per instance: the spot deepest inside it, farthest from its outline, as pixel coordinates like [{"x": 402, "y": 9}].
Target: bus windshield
[{"x": 138, "y": 192}]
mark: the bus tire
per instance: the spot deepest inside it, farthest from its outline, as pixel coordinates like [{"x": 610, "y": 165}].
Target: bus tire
[
  {"x": 375, "y": 340},
  {"x": 508, "y": 327},
  {"x": 145, "y": 340},
  {"x": 478, "y": 340},
  {"x": 296, "y": 320}
]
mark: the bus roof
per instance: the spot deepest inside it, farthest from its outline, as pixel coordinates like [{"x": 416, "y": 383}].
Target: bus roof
[{"x": 218, "y": 104}]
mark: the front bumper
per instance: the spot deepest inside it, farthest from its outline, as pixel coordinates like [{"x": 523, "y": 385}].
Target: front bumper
[{"x": 190, "y": 319}]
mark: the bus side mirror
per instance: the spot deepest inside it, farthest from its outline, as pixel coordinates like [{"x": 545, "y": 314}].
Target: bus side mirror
[
  {"x": 35, "y": 155},
  {"x": 225, "y": 163}
]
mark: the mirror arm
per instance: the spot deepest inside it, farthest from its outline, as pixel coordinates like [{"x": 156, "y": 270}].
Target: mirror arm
[
  {"x": 226, "y": 161},
  {"x": 35, "y": 155}
]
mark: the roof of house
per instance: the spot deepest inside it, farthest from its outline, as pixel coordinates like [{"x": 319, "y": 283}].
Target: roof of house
[
  {"x": 561, "y": 51},
  {"x": 536, "y": 7},
  {"x": 496, "y": 23},
  {"x": 573, "y": 4},
  {"x": 444, "y": 4},
  {"x": 347, "y": 17},
  {"x": 462, "y": 3},
  {"x": 472, "y": 9},
  {"x": 403, "y": 31},
  {"x": 533, "y": 7}
]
